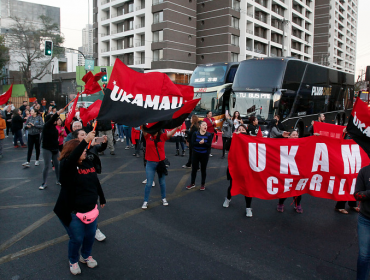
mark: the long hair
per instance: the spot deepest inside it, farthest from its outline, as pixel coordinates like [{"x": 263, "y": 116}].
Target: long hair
[
  {"x": 15, "y": 112},
  {"x": 68, "y": 148},
  {"x": 234, "y": 116},
  {"x": 194, "y": 121},
  {"x": 158, "y": 137}
]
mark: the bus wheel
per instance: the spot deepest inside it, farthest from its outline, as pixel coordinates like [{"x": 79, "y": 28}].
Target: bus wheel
[{"x": 299, "y": 129}]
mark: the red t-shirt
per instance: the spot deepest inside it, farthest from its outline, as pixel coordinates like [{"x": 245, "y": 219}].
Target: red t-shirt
[
  {"x": 151, "y": 152},
  {"x": 210, "y": 126}
]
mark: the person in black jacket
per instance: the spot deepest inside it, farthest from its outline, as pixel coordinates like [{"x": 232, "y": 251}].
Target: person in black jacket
[
  {"x": 79, "y": 194},
  {"x": 105, "y": 128},
  {"x": 17, "y": 126},
  {"x": 253, "y": 126},
  {"x": 50, "y": 147},
  {"x": 194, "y": 127}
]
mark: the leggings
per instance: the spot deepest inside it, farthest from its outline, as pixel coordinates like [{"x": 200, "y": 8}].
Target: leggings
[
  {"x": 296, "y": 199},
  {"x": 48, "y": 157},
  {"x": 33, "y": 140},
  {"x": 179, "y": 140},
  {"x": 127, "y": 132},
  {"x": 203, "y": 159},
  {"x": 226, "y": 144},
  {"x": 8, "y": 127},
  {"x": 342, "y": 204},
  {"x": 248, "y": 200}
]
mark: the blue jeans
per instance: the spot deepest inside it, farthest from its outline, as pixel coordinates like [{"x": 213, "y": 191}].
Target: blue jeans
[
  {"x": 150, "y": 173},
  {"x": 18, "y": 136},
  {"x": 127, "y": 131},
  {"x": 363, "y": 261},
  {"x": 120, "y": 130},
  {"x": 80, "y": 234}
]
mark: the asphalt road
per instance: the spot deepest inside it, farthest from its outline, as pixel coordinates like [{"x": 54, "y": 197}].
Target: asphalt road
[{"x": 193, "y": 238}]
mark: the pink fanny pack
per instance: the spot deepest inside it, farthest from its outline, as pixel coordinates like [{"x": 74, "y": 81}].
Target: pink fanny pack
[{"x": 88, "y": 217}]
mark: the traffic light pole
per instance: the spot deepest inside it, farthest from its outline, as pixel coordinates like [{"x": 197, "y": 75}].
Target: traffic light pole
[{"x": 71, "y": 50}]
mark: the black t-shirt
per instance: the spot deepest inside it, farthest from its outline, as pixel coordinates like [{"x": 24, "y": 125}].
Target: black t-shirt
[{"x": 362, "y": 191}]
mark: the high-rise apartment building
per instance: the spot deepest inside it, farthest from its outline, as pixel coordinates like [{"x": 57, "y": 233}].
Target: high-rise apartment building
[
  {"x": 335, "y": 34},
  {"x": 87, "y": 44},
  {"x": 173, "y": 36}
]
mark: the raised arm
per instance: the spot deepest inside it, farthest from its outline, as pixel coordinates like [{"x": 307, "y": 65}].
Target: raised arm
[
  {"x": 77, "y": 152},
  {"x": 172, "y": 132}
]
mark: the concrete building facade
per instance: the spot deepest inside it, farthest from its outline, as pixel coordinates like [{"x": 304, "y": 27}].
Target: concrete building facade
[{"x": 336, "y": 34}]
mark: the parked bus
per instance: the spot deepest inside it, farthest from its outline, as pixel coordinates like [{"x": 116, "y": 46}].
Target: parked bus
[
  {"x": 295, "y": 90},
  {"x": 211, "y": 83}
]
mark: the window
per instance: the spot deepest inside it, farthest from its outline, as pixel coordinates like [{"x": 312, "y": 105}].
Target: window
[
  {"x": 131, "y": 42},
  {"x": 156, "y": 2},
  {"x": 158, "y": 36},
  {"x": 234, "y": 57},
  {"x": 235, "y": 22},
  {"x": 157, "y": 55},
  {"x": 236, "y": 5},
  {"x": 235, "y": 40},
  {"x": 158, "y": 17},
  {"x": 131, "y": 24}
]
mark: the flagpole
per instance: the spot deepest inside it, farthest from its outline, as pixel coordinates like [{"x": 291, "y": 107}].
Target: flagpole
[
  {"x": 96, "y": 123},
  {"x": 71, "y": 101}
]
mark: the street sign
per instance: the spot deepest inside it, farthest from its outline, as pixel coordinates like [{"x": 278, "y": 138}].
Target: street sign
[{"x": 89, "y": 64}]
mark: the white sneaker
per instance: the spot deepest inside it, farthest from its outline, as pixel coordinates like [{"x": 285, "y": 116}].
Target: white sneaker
[
  {"x": 74, "y": 268},
  {"x": 121, "y": 140},
  {"x": 99, "y": 235},
  {"x": 37, "y": 163},
  {"x": 42, "y": 187},
  {"x": 210, "y": 155},
  {"x": 226, "y": 202},
  {"x": 145, "y": 205},
  {"x": 127, "y": 148},
  {"x": 153, "y": 185},
  {"x": 89, "y": 261},
  {"x": 144, "y": 182},
  {"x": 164, "y": 202},
  {"x": 118, "y": 139},
  {"x": 248, "y": 212},
  {"x": 26, "y": 164}
]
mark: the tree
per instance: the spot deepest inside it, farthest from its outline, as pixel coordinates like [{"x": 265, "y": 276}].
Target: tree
[
  {"x": 26, "y": 44},
  {"x": 4, "y": 55}
]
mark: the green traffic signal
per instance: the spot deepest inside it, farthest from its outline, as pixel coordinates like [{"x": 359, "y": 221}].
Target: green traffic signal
[{"x": 48, "y": 48}]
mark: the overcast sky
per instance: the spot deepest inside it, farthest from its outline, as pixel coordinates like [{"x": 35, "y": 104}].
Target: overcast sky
[{"x": 74, "y": 17}]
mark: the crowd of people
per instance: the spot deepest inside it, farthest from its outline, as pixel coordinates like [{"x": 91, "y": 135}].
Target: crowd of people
[{"x": 74, "y": 154}]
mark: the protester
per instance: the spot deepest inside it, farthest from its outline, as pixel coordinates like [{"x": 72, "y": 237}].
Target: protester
[
  {"x": 43, "y": 104},
  {"x": 320, "y": 118},
  {"x": 155, "y": 156},
  {"x": 297, "y": 199},
  {"x": 105, "y": 128},
  {"x": 10, "y": 105},
  {"x": 50, "y": 147},
  {"x": 92, "y": 154},
  {"x": 8, "y": 119},
  {"x": 194, "y": 127},
  {"x": 248, "y": 200},
  {"x": 34, "y": 127},
  {"x": 276, "y": 132},
  {"x": 341, "y": 205},
  {"x": 62, "y": 133},
  {"x": 201, "y": 143},
  {"x": 2, "y": 135},
  {"x": 362, "y": 194},
  {"x": 17, "y": 126},
  {"x": 121, "y": 134},
  {"x": 135, "y": 138},
  {"x": 127, "y": 133},
  {"x": 211, "y": 124},
  {"x": 237, "y": 120},
  {"x": 78, "y": 196},
  {"x": 253, "y": 126},
  {"x": 23, "y": 107},
  {"x": 179, "y": 138},
  {"x": 227, "y": 131},
  {"x": 25, "y": 117},
  {"x": 75, "y": 126},
  {"x": 27, "y": 109}
]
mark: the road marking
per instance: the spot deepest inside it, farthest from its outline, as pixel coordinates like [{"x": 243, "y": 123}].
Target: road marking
[
  {"x": 26, "y": 205},
  {"x": 182, "y": 183},
  {"x": 25, "y": 232},
  {"x": 110, "y": 175},
  {"x": 14, "y": 186}
]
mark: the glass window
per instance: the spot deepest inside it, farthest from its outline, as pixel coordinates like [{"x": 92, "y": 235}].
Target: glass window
[
  {"x": 158, "y": 17},
  {"x": 208, "y": 76},
  {"x": 158, "y": 36},
  {"x": 208, "y": 102},
  {"x": 293, "y": 75},
  {"x": 230, "y": 77},
  {"x": 236, "y": 4},
  {"x": 234, "y": 57},
  {"x": 235, "y": 40},
  {"x": 157, "y": 55},
  {"x": 235, "y": 22}
]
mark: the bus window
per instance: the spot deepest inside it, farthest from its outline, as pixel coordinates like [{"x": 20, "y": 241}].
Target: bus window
[
  {"x": 316, "y": 76},
  {"x": 293, "y": 75},
  {"x": 231, "y": 75},
  {"x": 208, "y": 76}
]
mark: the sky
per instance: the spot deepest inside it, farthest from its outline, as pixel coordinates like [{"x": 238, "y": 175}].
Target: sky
[{"x": 74, "y": 17}]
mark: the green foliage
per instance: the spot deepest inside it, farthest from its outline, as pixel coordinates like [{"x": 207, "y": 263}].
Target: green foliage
[{"x": 4, "y": 54}]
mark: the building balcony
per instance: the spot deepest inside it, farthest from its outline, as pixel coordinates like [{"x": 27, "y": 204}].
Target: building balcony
[{"x": 156, "y": 2}]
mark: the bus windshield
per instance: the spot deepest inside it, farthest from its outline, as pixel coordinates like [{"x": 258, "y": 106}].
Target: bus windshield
[
  {"x": 208, "y": 76},
  {"x": 254, "y": 104},
  {"x": 208, "y": 102},
  {"x": 259, "y": 74}
]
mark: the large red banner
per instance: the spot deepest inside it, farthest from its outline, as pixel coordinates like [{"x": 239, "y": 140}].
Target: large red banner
[
  {"x": 328, "y": 129},
  {"x": 277, "y": 168}
]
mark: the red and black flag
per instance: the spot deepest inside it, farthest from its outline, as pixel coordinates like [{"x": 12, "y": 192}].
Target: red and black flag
[
  {"x": 358, "y": 126},
  {"x": 134, "y": 99}
]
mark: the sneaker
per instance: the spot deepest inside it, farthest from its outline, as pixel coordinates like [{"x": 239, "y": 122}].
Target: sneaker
[
  {"x": 58, "y": 183},
  {"x": 192, "y": 186},
  {"x": 122, "y": 140},
  {"x": 118, "y": 139},
  {"x": 153, "y": 185},
  {"x": 42, "y": 187},
  {"x": 74, "y": 268},
  {"x": 185, "y": 166},
  {"x": 298, "y": 209},
  {"x": 127, "y": 148},
  {"x": 89, "y": 261},
  {"x": 226, "y": 202},
  {"x": 99, "y": 235},
  {"x": 144, "y": 182},
  {"x": 164, "y": 202},
  {"x": 26, "y": 164},
  {"x": 132, "y": 146},
  {"x": 24, "y": 146},
  {"x": 112, "y": 153},
  {"x": 145, "y": 205},
  {"x": 248, "y": 212},
  {"x": 280, "y": 208},
  {"x": 183, "y": 153},
  {"x": 210, "y": 155},
  {"x": 37, "y": 163},
  {"x": 16, "y": 146},
  {"x": 202, "y": 188}
]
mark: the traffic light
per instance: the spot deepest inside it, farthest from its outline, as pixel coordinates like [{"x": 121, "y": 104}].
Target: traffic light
[
  {"x": 104, "y": 78},
  {"x": 48, "y": 48}
]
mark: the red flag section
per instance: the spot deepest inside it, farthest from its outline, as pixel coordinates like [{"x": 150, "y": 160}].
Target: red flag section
[
  {"x": 71, "y": 113},
  {"x": 32, "y": 99},
  {"x": 270, "y": 168},
  {"x": 259, "y": 133},
  {"x": 186, "y": 91},
  {"x": 6, "y": 95},
  {"x": 90, "y": 113},
  {"x": 87, "y": 77},
  {"x": 329, "y": 130},
  {"x": 92, "y": 86}
]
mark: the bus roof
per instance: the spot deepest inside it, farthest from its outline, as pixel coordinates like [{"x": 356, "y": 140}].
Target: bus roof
[{"x": 218, "y": 63}]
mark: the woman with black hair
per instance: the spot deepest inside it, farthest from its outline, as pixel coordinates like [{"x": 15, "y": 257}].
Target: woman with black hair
[
  {"x": 253, "y": 126},
  {"x": 248, "y": 200},
  {"x": 227, "y": 132},
  {"x": 154, "y": 154},
  {"x": 275, "y": 131},
  {"x": 194, "y": 127},
  {"x": 237, "y": 120},
  {"x": 17, "y": 126}
]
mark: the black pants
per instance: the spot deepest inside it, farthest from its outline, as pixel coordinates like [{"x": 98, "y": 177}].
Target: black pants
[
  {"x": 342, "y": 204},
  {"x": 248, "y": 200},
  {"x": 179, "y": 140},
  {"x": 188, "y": 164},
  {"x": 203, "y": 160},
  {"x": 8, "y": 127},
  {"x": 297, "y": 200},
  {"x": 60, "y": 148},
  {"x": 33, "y": 140},
  {"x": 226, "y": 144}
]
